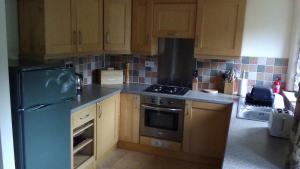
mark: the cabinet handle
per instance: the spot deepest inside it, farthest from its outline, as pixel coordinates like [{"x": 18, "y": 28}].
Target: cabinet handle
[
  {"x": 196, "y": 41},
  {"x": 86, "y": 116},
  {"x": 107, "y": 37},
  {"x": 100, "y": 111},
  {"x": 100, "y": 114},
  {"x": 74, "y": 37},
  {"x": 80, "y": 37},
  {"x": 187, "y": 113},
  {"x": 148, "y": 39}
]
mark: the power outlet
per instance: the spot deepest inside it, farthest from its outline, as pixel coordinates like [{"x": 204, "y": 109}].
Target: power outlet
[
  {"x": 69, "y": 64},
  {"x": 149, "y": 64}
]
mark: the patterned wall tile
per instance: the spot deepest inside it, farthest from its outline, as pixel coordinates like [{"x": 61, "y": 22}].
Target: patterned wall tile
[{"x": 261, "y": 71}]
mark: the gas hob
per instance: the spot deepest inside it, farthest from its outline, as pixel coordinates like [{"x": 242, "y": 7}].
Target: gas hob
[{"x": 173, "y": 90}]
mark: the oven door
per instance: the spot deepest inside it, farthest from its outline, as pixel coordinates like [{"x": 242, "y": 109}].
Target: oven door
[{"x": 162, "y": 122}]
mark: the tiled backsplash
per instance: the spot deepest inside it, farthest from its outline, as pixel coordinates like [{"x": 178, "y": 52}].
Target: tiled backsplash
[
  {"x": 260, "y": 71},
  {"x": 139, "y": 72},
  {"x": 86, "y": 65},
  {"x": 142, "y": 69}
]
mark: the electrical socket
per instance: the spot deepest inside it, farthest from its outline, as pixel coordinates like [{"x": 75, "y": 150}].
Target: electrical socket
[{"x": 149, "y": 64}]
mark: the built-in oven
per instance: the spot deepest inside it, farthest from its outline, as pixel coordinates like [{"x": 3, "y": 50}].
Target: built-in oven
[{"x": 162, "y": 118}]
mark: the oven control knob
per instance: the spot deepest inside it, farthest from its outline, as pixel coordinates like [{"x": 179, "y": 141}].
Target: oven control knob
[
  {"x": 152, "y": 100},
  {"x": 170, "y": 102},
  {"x": 161, "y": 102}
]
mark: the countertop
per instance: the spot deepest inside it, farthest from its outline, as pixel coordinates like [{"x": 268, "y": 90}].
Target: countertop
[
  {"x": 248, "y": 145},
  {"x": 91, "y": 95},
  {"x": 94, "y": 93}
]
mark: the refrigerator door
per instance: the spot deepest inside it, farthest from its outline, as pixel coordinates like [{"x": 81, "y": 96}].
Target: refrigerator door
[
  {"x": 46, "y": 137},
  {"x": 46, "y": 86}
]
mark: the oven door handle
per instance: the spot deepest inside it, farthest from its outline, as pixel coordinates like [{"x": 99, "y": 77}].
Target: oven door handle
[{"x": 161, "y": 108}]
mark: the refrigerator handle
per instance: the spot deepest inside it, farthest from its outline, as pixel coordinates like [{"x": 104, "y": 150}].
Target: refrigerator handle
[
  {"x": 38, "y": 107},
  {"x": 41, "y": 106}
]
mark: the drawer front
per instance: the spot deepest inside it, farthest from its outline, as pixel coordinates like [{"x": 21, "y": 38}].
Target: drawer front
[{"x": 83, "y": 116}]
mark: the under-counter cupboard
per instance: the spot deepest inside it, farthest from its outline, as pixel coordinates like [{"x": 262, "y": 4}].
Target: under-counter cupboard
[
  {"x": 115, "y": 122},
  {"x": 83, "y": 138},
  {"x": 108, "y": 115}
]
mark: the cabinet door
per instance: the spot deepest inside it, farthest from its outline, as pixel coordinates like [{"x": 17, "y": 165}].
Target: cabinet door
[
  {"x": 90, "y": 26},
  {"x": 130, "y": 118},
  {"x": 142, "y": 40},
  {"x": 117, "y": 119},
  {"x": 174, "y": 20},
  {"x": 106, "y": 119},
  {"x": 219, "y": 27},
  {"x": 205, "y": 129},
  {"x": 60, "y": 27},
  {"x": 117, "y": 26}
]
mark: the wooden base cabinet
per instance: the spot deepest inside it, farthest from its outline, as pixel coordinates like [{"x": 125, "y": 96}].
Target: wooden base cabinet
[
  {"x": 107, "y": 125},
  {"x": 83, "y": 144},
  {"x": 130, "y": 118},
  {"x": 206, "y": 129}
]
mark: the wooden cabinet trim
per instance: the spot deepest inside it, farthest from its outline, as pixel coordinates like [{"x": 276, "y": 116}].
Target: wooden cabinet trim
[{"x": 170, "y": 145}]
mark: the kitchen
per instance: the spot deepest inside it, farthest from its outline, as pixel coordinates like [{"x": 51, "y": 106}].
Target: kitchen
[{"x": 137, "y": 37}]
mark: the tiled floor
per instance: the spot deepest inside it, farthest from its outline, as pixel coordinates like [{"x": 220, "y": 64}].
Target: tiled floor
[{"x": 123, "y": 159}]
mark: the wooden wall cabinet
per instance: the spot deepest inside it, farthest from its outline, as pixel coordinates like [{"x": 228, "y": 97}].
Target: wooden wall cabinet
[
  {"x": 117, "y": 26},
  {"x": 142, "y": 40},
  {"x": 107, "y": 125},
  {"x": 219, "y": 28},
  {"x": 206, "y": 128},
  {"x": 59, "y": 28},
  {"x": 130, "y": 117},
  {"x": 175, "y": 20},
  {"x": 89, "y": 15}
]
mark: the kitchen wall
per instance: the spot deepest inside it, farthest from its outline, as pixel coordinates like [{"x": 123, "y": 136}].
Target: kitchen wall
[
  {"x": 294, "y": 62},
  {"x": 261, "y": 71},
  {"x": 5, "y": 112},
  {"x": 138, "y": 72},
  {"x": 267, "y": 29},
  {"x": 12, "y": 29}
]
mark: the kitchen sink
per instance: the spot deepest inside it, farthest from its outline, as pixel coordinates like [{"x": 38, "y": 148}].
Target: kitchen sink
[{"x": 250, "y": 112}]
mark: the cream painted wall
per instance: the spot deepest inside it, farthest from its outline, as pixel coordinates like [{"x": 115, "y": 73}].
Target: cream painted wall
[
  {"x": 267, "y": 28},
  {"x": 294, "y": 49},
  {"x": 5, "y": 111}
]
